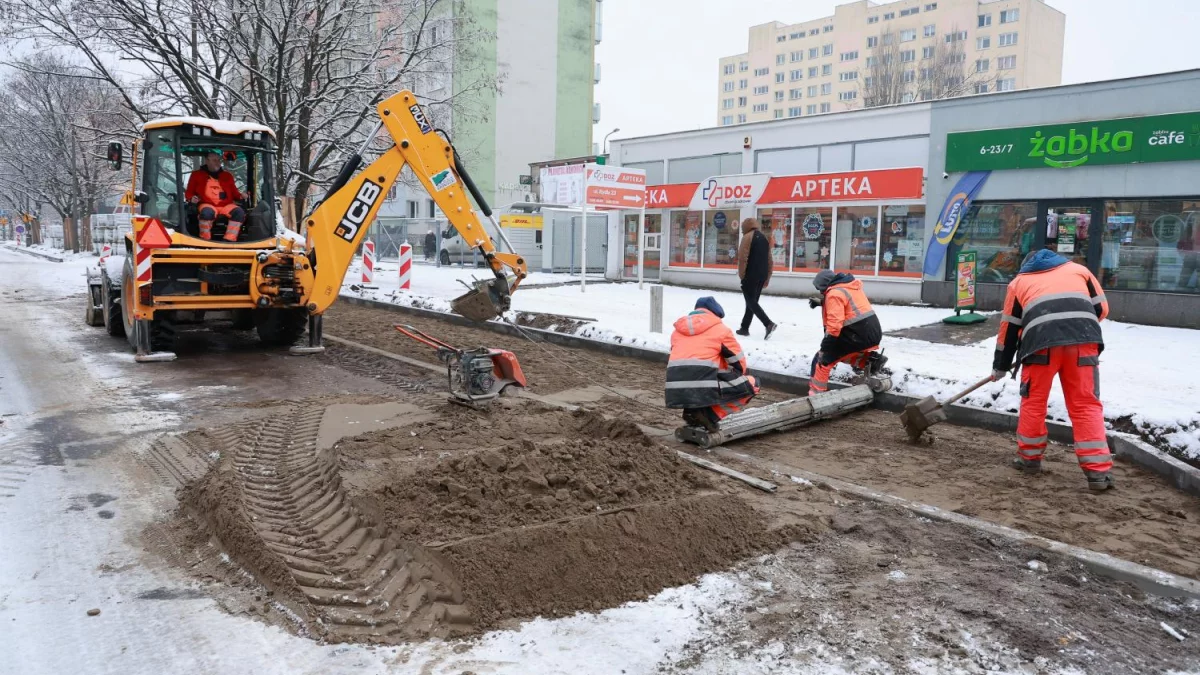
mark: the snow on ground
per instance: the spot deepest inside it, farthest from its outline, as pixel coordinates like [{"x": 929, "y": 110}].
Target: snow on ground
[
  {"x": 59, "y": 279},
  {"x": 1147, "y": 372}
]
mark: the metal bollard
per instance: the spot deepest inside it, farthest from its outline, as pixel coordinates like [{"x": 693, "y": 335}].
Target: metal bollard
[{"x": 656, "y": 309}]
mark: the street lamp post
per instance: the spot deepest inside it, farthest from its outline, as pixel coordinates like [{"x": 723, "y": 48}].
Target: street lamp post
[{"x": 605, "y": 147}]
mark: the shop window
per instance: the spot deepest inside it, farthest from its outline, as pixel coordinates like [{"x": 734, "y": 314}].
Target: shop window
[
  {"x": 902, "y": 241},
  {"x": 721, "y": 230},
  {"x": 1001, "y": 233},
  {"x": 777, "y": 226},
  {"x": 1151, "y": 245},
  {"x": 857, "y": 229},
  {"x": 685, "y": 238},
  {"x": 810, "y": 245}
]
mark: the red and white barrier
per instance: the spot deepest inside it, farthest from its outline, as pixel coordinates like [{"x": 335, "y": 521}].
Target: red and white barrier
[
  {"x": 405, "y": 266},
  {"x": 105, "y": 251},
  {"x": 368, "y": 262}
]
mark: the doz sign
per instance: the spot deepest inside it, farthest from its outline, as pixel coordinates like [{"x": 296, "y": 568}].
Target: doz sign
[
  {"x": 614, "y": 187},
  {"x": 722, "y": 192}
]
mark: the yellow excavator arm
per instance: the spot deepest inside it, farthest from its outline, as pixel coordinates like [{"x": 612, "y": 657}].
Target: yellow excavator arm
[{"x": 339, "y": 223}]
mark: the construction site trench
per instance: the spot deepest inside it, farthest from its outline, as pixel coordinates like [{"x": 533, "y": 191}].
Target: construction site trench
[{"x": 384, "y": 514}]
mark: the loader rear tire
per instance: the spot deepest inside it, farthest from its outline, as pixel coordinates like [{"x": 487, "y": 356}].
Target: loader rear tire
[
  {"x": 243, "y": 319},
  {"x": 110, "y": 297},
  {"x": 280, "y": 327},
  {"x": 94, "y": 314},
  {"x": 128, "y": 328}
]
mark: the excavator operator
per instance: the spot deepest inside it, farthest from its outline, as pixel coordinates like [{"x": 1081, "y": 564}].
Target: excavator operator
[
  {"x": 707, "y": 374},
  {"x": 215, "y": 193}
]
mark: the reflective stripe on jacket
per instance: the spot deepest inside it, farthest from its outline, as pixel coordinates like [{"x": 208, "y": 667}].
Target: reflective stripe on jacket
[
  {"x": 1062, "y": 305},
  {"x": 707, "y": 366},
  {"x": 850, "y": 321}
]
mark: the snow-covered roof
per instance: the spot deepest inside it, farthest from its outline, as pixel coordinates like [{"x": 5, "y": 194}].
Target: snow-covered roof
[{"x": 219, "y": 126}]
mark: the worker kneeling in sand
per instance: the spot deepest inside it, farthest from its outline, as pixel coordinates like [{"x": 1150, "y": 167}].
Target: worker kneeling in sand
[
  {"x": 707, "y": 375},
  {"x": 852, "y": 331},
  {"x": 1051, "y": 325}
]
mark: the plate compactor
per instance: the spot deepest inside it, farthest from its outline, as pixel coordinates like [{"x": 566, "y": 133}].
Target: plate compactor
[
  {"x": 475, "y": 376},
  {"x": 789, "y": 414}
]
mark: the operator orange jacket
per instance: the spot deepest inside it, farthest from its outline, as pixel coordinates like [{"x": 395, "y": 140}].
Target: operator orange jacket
[
  {"x": 1061, "y": 305},
  {"x": 707, "y": 365},
  {"x": 198, "y": 183}
]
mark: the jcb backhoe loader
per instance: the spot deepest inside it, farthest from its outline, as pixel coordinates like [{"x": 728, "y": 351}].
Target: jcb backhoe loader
[{"x": 268, "y": 277}]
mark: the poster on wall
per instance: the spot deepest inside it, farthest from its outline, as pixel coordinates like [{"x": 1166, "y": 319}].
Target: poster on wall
[
  {"x": 1066, "y": 233},
  {"x": 814, "y": 226}
]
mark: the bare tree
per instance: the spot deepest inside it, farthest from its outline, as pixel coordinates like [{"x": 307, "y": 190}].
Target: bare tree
[{"x": 930, "y": 69}]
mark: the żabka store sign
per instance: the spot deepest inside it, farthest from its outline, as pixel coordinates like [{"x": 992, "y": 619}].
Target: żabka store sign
[{"x": 727, "y": 192}]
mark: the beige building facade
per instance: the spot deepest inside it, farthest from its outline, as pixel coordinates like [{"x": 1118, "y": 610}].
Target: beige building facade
[{"x": 932, "y": 49}]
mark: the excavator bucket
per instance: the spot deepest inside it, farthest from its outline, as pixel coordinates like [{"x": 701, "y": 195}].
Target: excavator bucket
[{"x": 486, "y": 300}]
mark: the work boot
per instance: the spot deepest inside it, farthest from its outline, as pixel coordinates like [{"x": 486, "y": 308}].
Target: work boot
[
  {"x": 1027, "y": 465},
  {"x": 743, "y": 332},
  {"x": 1100, "y": 482},
  {"x": 206, "y": 229},
  {"x": 232, "y": 230},
  {"x": 695, "y": 417},
  {"x": 875, "y": 362},
  {"x": 770, "y": 330}
]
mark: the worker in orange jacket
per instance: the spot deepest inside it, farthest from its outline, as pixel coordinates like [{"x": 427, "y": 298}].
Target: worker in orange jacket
[
  {"x": 1051, "y": 326},
  {"x": 852, "y": 331},
  {"x": 707, "y": 375},
  {"x": 214, "y": 192}
]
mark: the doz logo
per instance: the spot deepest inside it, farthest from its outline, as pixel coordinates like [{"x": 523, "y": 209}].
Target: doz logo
[{"x": 715, "y": 194}]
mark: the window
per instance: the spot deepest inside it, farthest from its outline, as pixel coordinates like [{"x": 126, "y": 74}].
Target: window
[
  {"x": 779, "y": 95},
  {"x": 868, "y": 82},
  {"x": 685, "y": 238},
  {"x": 855, "y": 234},
  {"x": 761, "y": 91},
  {"x": 811, "y": 110},
  {"x": 908, "y": 35},
  {"x": 983, "y": 42},
  {"x": 810, "y": 240},
  {"x": 814, "y": 52},
  {"x": 741, "y": 101},
  {"x": 720, "y": 243},
  {"x": 930, "y": 7},
  {"x": 981, "y": 87},
  {"x": 872, "y": 19},
  {"x": 728, "y": 69},
  {"x": 794, "y": 111},
  {"x": 797, "y": 74},
  {"x": 902, "y": 240},
  {"x": 726, "y": 120},
  {"x": 982, "y": 65},
  {"x": 827, "y": 89},
  {"x": 927, "y": 53},
  {"x": 889, "y": 16},
  {"x": 910, "y": 11},
  {"x": 926, "y": 74},
  {"x": 794, "y": 94},
  {"x": 827, "y": 29},
  {"x": 780, "y": 59},
  {"x": 956, "y": 57},
  {"x": 908, "y": 56},
  {"x": 796, "y": 36},
  {"x": 759, "y": 72},
  {"x": 1006, "y": 63},
  {"x": 847, "y": 95},
  {"x": 812, "y": 91},
  {"x": 812, "y": 72},
  {"x": 779, "y": 77},
  {"x": 728, "y": 86},
  {"x": 888, "y": 39},
  {"x": 827, "y": 69},
  {"x": 1008, "y": 39},
  {"x": 909, "y": 76},
  {"x": 760, "y": 107},
  {"x": 1137, "y": 252},
  {"x": 797, "y": 56},
  {"x": 744, "y": 66},
  {"x": 814, "y": 31},
  {"x": 727, "y": 104},
  {"x": 1007, "y": 85},
  {"x": 985, "y": 20},
  {"x": 742, "y": 119},
  {"x": 847, "y": 77},
  {"x": 158, "y": 180},
  {"x": 849, "y": 56},
  {"x": 931, "y": 30},
  {"x": 777, "y": 226},
  {"x": 956, "y": 37},
  {"x": 413, "y": 208},
  {"x": 1010, "y": 16},
  {"x": 872, "y": 42},
  {"x": 779, "y": 114},
  {"x": 872, "y": 61},
  {"x": 1002, "y": 233},
  {"x": 827, "y": 50},
  {"x": 742, "y": 84},
  {"x": 781, "y": 38}
]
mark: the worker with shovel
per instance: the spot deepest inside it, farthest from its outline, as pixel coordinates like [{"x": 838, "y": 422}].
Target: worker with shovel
[
  {"x": 707, "y": 375},
  {"x": 852, "y": 331},
  {"x": 1051, "y": 326}
]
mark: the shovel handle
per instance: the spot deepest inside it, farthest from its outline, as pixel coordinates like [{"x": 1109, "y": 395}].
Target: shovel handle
[{"x": 968, "y": 390}]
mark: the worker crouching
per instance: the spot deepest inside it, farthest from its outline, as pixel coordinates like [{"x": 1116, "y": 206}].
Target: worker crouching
[
  {"x": 852, "y": 331},
  {"x": 1051, "y": 326},
  {"x": 707, "y": 375}
]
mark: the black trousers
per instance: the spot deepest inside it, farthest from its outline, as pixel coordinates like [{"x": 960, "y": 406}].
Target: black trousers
[{"x": 751, "y": 291}]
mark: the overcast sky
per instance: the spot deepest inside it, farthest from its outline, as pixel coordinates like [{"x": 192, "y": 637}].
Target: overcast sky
[{"x": 659, "y": 57}]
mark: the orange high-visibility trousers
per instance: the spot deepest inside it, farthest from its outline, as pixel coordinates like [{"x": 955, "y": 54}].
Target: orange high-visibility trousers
[
  {"x": 818, "y": 382},
  {"x": 1078, "y": 370},
  {"x": 723, "y": 410},
  {"x": 208, "y": 213}
]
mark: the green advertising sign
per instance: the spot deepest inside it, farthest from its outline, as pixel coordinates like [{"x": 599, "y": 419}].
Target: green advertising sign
[{"x": 1132, "y": 140}]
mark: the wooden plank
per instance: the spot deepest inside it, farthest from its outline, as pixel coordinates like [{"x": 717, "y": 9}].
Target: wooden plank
[{"x": 763, "y": 485}]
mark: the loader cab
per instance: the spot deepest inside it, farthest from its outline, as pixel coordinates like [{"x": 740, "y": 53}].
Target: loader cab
[{"x": 175, "y": 147}]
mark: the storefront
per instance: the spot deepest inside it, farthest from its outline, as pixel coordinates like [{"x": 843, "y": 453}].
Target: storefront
[
  {"x": 1107, "y": 174},
  {"x": 868, "y": 223}
]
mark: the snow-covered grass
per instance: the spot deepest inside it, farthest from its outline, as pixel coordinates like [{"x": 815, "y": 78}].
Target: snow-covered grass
[{"x": 1148, "y": 373}]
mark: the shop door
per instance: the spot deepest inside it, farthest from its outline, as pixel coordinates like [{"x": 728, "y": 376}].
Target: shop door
[
  {"x": 1072, "y": 230},
  {"x": 651, "y": 246}
]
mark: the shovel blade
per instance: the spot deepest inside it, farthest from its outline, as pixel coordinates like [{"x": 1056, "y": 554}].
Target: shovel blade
[
  {"x": 919, "y": 416},
  {"x": 487, "y": 300}
]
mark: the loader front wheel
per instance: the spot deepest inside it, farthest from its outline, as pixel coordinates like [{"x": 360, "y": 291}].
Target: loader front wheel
[
  {"x": 94, "y": 314},
  {"x": 243, "y": 319},
  {"x": 129, "y": 330},
  {"x": 280, "y": 327},
  {"x": 111, "y": 303}
]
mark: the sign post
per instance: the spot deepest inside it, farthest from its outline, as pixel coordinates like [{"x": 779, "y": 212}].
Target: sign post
[{"x": 965, "y": 292}]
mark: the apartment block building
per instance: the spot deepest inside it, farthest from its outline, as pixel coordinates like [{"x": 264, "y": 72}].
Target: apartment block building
[{"x": 869, "y": 54}]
